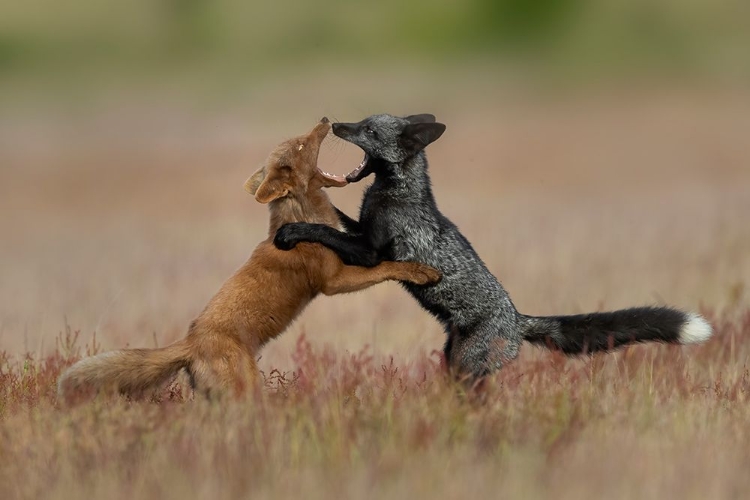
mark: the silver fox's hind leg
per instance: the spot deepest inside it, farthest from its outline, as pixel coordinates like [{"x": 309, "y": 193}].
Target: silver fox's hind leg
[{"x": 480, "y": 354}]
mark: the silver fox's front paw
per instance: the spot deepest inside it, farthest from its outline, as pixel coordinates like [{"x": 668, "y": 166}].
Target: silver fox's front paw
[{"x": 287, "y": 236}]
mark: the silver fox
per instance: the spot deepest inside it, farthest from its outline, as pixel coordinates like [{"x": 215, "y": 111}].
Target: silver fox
[{"x": 399, "y": 220}]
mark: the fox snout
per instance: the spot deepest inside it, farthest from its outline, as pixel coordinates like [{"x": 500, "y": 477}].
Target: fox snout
[
  {"x": 320, "y": 131},
  {"x": 344, "y": 130}
]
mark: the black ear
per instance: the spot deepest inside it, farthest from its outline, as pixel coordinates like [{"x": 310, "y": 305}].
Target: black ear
[
  {"x": 424, "y": 118},
  {"x": 417, "y": 136}
]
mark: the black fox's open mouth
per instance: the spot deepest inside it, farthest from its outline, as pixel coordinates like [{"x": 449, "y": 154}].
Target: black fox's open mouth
[{"x": 363, "y": 170}]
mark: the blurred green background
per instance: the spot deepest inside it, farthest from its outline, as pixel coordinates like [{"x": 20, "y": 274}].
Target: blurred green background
[
  {"x": 212, "y": 46},
  {"x": 128, "y": 128}
]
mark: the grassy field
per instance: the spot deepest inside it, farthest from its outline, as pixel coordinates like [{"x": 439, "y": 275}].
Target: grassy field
[{"x": 121, "y": 221}]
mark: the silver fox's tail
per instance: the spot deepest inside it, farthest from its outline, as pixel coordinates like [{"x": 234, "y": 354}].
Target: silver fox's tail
[
  {"x": 129, "y": 371},
  {"x": 595, "y": 332}
]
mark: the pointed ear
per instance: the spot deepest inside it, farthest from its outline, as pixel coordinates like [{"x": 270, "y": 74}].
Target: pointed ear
[
  {"x": 417, "y": 136},
  {"x": 251, "y": 185},
  {"x": 275, "y": 185},
  {"x": 423, "y": 118},
  {"x": 271, "y": 189}
]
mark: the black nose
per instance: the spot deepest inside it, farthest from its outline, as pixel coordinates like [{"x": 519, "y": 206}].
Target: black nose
[
  {"x": 340, "y": 128},
  {"x": 324, "y": 120}
]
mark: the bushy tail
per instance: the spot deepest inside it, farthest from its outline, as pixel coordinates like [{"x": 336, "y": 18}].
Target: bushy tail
[
  {"x": 129, "y": 371},
  {"x": 588, "y": 333}
]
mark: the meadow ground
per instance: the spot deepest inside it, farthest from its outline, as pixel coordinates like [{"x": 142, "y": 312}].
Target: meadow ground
[{"x": 123, "y": 222}]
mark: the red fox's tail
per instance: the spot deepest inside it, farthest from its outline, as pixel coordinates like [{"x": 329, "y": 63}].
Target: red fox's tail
[{"x": 129, "y": 371}]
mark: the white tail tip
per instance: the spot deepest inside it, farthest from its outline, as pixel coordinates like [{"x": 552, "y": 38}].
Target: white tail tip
[{"x": 696, "y": 329}]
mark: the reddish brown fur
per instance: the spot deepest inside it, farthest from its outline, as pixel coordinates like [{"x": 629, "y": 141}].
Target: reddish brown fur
[{"x": 259, "y": 300}]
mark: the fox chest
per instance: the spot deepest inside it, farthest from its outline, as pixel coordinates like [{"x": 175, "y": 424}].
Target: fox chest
[{"x": 401, "y": 237}]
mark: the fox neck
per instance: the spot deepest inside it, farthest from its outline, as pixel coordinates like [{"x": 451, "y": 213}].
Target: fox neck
[
  {"x": 315, "y": 208},
  {"x": 407, "y": 179}
]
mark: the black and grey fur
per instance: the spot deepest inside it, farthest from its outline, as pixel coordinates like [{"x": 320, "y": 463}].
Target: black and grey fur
[{"x": 399, "y": 220}]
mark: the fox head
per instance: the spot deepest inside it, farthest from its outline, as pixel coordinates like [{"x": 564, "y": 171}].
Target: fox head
[
  {"x": 388, "y": 140},
  {"x": 291, "y": 169}
]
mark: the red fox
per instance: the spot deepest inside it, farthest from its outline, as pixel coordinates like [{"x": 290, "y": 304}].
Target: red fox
[{"x": 259, "y": 300}]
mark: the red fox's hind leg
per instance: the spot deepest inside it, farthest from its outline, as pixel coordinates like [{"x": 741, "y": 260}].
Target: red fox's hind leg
[{"x": 229, "y": 372}]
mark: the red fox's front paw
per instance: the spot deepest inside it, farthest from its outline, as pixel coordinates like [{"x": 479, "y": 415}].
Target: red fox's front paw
[{"x": 425, "y": 275}]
